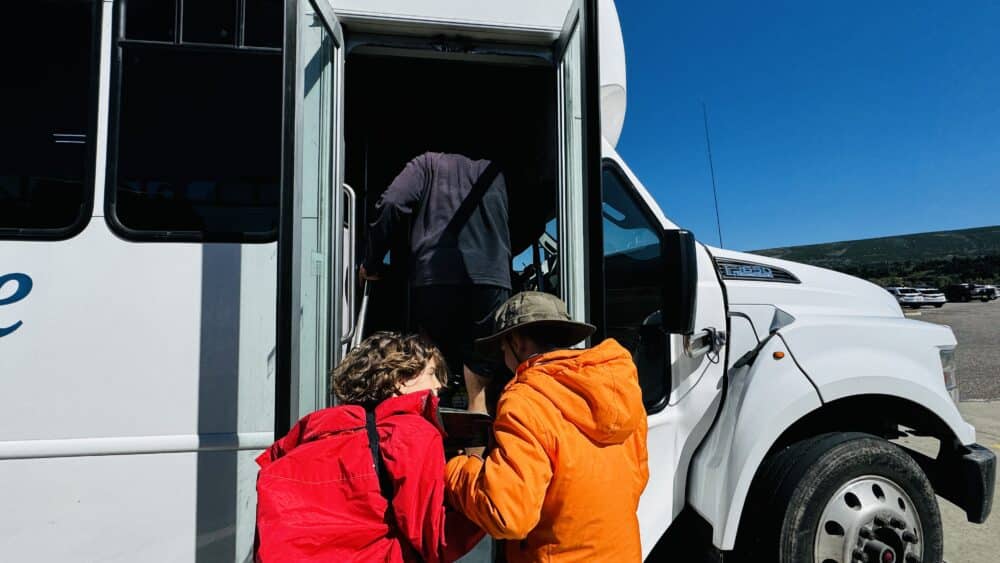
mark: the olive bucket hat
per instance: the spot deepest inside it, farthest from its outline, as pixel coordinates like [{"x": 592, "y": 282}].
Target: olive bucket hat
[{"x": 533, "y": 308}]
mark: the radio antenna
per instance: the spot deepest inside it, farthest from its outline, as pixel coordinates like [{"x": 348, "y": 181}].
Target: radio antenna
[{"x": 711, "y": 168}]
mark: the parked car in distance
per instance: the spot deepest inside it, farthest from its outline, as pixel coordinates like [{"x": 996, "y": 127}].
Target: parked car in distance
[
  {"x": 989, "y": 292},
  {"x": 965, "y": 292},
  {"x": 932, "y": 296},
  {"x": 907, "y": 296}
]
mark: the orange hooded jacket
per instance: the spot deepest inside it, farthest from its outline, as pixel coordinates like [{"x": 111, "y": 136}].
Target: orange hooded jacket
[{"x": 569, "y": 464}]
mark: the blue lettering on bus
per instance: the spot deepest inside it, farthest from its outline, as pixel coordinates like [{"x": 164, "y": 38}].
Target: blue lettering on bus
[{"x": 21, "y": 290}]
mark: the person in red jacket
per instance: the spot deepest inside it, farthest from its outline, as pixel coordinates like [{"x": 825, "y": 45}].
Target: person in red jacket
[{"x": 319, "y": 493}]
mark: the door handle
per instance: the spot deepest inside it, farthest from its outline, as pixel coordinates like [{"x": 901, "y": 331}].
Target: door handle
[
  {"x": 358, "y": 332},
  {"x": 709, "y": 340},
  {"x": 351, "y": 283}
]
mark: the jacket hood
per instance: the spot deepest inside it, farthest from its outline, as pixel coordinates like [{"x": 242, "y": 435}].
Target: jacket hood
[
  {"x": 597, "y": 390},
  {"x": 351, "y": 418}
]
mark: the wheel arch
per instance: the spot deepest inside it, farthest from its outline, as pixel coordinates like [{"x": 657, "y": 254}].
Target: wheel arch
[
  {"x": 863, "y": 384},
  {"x": 876, "y": 414}
]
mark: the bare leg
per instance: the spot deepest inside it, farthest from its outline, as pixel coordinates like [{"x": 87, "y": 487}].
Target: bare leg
[{"x": 475, "y": 385}]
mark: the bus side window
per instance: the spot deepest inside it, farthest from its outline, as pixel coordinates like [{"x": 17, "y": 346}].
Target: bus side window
[
  {"x": 207, "y": 21},
  {"x": 264, "y": 20},
  {"x": 633, "y": 284},
  {"x": 48, "y": 55},
  {"x": 196, "y": 132}
]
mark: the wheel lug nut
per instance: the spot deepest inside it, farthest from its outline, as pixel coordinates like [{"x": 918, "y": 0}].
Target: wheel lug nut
[
  {"x": 880, "y": 522},
  {"x": 859, "y": 555},
  {"x": 897, "y": 523},
  {"x": 865, "y": 533},
  {"x": 909, "y": 537}
]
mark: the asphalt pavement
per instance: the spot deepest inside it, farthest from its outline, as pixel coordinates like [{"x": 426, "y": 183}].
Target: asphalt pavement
[
  {"x": 977, "y": 328},
  {"x": 965, "y": 542}
]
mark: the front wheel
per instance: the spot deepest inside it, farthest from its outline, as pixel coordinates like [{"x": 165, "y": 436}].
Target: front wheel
[{"x": 841, "y": 498}]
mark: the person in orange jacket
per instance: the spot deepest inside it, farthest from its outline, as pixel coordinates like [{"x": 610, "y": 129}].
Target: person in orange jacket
[{"x": 570, "y": 460}]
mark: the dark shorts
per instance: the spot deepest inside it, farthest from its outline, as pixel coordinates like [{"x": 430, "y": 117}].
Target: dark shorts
[{"x": 453, "y": 317}]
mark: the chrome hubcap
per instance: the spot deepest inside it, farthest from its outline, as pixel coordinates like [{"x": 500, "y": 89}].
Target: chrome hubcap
[{"x": 869, "y": 520}]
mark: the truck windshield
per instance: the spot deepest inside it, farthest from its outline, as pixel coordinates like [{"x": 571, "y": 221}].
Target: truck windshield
[{"x": 46, "y": 52}]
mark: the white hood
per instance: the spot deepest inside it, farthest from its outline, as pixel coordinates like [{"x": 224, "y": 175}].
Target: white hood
[{"x": 818, "y": 291}]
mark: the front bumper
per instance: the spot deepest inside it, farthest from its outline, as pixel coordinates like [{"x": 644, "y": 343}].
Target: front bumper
[
  {"x": 978, "y": 468},
  {"x": 965, "y": 475}
]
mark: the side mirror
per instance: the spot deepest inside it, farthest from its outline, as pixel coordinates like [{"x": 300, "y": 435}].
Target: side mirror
[{"x": 680, "y": 282}]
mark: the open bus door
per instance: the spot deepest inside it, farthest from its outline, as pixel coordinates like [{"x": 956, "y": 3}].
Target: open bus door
[
  {"x": 576, "y": 56},
  {"x": 316, "y": 287},
  {"x": 311, "y": 242}
]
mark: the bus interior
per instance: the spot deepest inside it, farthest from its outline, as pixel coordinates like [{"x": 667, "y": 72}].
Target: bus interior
[{"x": 398, "y": 107}]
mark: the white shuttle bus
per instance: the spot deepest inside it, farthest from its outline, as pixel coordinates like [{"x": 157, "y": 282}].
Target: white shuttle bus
[{"x": 184, "y": 186}]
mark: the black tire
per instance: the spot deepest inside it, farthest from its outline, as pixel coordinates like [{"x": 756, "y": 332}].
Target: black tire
[{"x": 793, "y": 486}]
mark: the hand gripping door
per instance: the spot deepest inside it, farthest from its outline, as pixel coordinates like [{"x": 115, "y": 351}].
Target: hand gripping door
[{"x": 311, "y": 239}]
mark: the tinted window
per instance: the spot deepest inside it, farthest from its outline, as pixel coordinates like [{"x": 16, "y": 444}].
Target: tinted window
[
  {"x": 216, "y": 22},
  {"x": 151, "y": 20},
  {"x": 198, "y": 151},
  {"x": 210, "y": 21},
  {"x": 45, "y": 116},
  {"x": 263, "y": 23},
  {"x": 633, "y": 272}
]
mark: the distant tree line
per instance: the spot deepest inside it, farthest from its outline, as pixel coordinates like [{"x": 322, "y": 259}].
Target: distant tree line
[{"x": 936, "y": 273}]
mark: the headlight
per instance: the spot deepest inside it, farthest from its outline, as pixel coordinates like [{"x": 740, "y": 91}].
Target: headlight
[{"x": 948, "y": 370}]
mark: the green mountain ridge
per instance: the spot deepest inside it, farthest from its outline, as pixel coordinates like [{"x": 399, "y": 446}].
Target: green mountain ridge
[{"x": 937, "y": 258}]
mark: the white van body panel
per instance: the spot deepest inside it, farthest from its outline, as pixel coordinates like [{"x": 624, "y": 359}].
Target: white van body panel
[
  {"x": 676, "y": 431},
  {"x": 821, "y": 291},
  {"x": 613, "y": 84},
  {"x": 130, "y": 349},
  {"x": 696, "y": 393},
  {"x": 762, "y": 401},
  {"x": 878, "y": 351},
  {"x": 891, "y": 357},
  {"x": 845, "y": 337}
]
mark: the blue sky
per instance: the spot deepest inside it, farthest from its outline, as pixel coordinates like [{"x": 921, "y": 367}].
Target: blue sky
[{"x": 829, "y": 120}]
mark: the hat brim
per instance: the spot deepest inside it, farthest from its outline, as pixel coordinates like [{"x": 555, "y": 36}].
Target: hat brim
[{"x": 562, "y": 334}]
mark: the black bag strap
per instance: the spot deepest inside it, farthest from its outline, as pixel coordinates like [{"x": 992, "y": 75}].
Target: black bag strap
[
  {"x": 384, "y": 479},
  {"x": 471, "y": 201}
]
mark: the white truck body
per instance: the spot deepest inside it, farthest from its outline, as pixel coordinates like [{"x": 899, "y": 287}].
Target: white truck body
[{"x": 140, "y": 377}]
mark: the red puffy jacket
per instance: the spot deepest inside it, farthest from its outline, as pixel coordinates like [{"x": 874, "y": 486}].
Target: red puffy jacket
[{"x": 319, "y": 497}]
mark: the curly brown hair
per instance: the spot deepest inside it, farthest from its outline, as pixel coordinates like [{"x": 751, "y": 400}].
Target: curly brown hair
[{"x": 375, "y": 370}]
